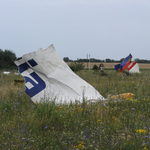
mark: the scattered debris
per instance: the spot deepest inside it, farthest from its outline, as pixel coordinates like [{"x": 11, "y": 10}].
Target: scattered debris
[
  {"x": 132, "y": 67},
  {"x": 122, "y": 96},
  {"x": 6, "y": 72}
]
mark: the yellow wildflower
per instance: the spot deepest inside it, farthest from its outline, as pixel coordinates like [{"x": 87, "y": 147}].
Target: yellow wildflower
[
  {"x": 129, "y": 99},
  {"x": 60, "y": 107},
  {"x": 141, "y": 131},
  {"x": 145, "y": 148},
  {"x": 80, "y": 110},
  {"x": 80, "y": 144},
  {"x": 135, "y": 100},
  {"x": 98, "y": 120},
  {"x": 114, "y": 118}
]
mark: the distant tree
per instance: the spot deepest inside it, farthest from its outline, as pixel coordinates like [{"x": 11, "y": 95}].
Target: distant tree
[
  {"x": 137, "y": 60},
  {"x": 7, "y": 58},
  {"x": 95, "y": 67},
  {"x": 66, "y": 59},
  {"x": 108, "y": 60},
  {"x": 92, "y": 60},
  {"x": 1, "y": 58},
  {"x": 82, "y": 60},
  {"x": 79, "y": 60},
  {"x": 121, "y": 60},
  {"x": 141, "y": 60},
  {"x": 87, "y": 60}
]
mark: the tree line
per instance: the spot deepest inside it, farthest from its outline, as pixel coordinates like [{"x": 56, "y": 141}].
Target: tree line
[
  {"x": 7, "y": 58},
  {"x": 66, "y": 59}
]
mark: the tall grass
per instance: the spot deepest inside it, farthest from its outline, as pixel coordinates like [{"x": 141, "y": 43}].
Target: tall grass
[{"x": 124, "y": 124}]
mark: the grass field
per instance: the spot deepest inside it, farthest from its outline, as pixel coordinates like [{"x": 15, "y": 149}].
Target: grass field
[
  {"x": 112, "y": 65},
  {"x": 121, "y": 125}
]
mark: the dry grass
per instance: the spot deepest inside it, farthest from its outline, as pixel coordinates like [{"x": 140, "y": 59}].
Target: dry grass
[{"x": 111, "y": 65}]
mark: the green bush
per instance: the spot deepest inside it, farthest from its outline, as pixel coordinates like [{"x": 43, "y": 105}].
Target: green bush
[
  {"x": 95, "y": 67},
  {"x": 76, "y": 66}
]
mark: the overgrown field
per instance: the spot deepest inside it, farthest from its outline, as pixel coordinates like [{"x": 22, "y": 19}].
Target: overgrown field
[
  {"x": 110, "y": 65},
  {"x": 121, "y": 125}
]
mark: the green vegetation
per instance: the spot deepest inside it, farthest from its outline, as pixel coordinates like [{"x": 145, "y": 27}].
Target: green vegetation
[
  {"x": 95, "y": 67},
  {"x": 76, "y": 66},
  {"x": 120, "y": 125},
  {"x": 7, "y": 58},
  {"x": 66, "y": 59}
]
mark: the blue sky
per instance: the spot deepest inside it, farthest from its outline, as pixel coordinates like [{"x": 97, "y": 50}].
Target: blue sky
[{"x": 102, "y": 28}]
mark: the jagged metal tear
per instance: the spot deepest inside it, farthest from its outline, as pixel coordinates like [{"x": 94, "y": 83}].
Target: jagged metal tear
[{"x": 48, "y": 77}]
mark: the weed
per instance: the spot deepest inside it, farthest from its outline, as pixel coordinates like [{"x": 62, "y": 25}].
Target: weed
[{"x": 114, "y": 125}]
